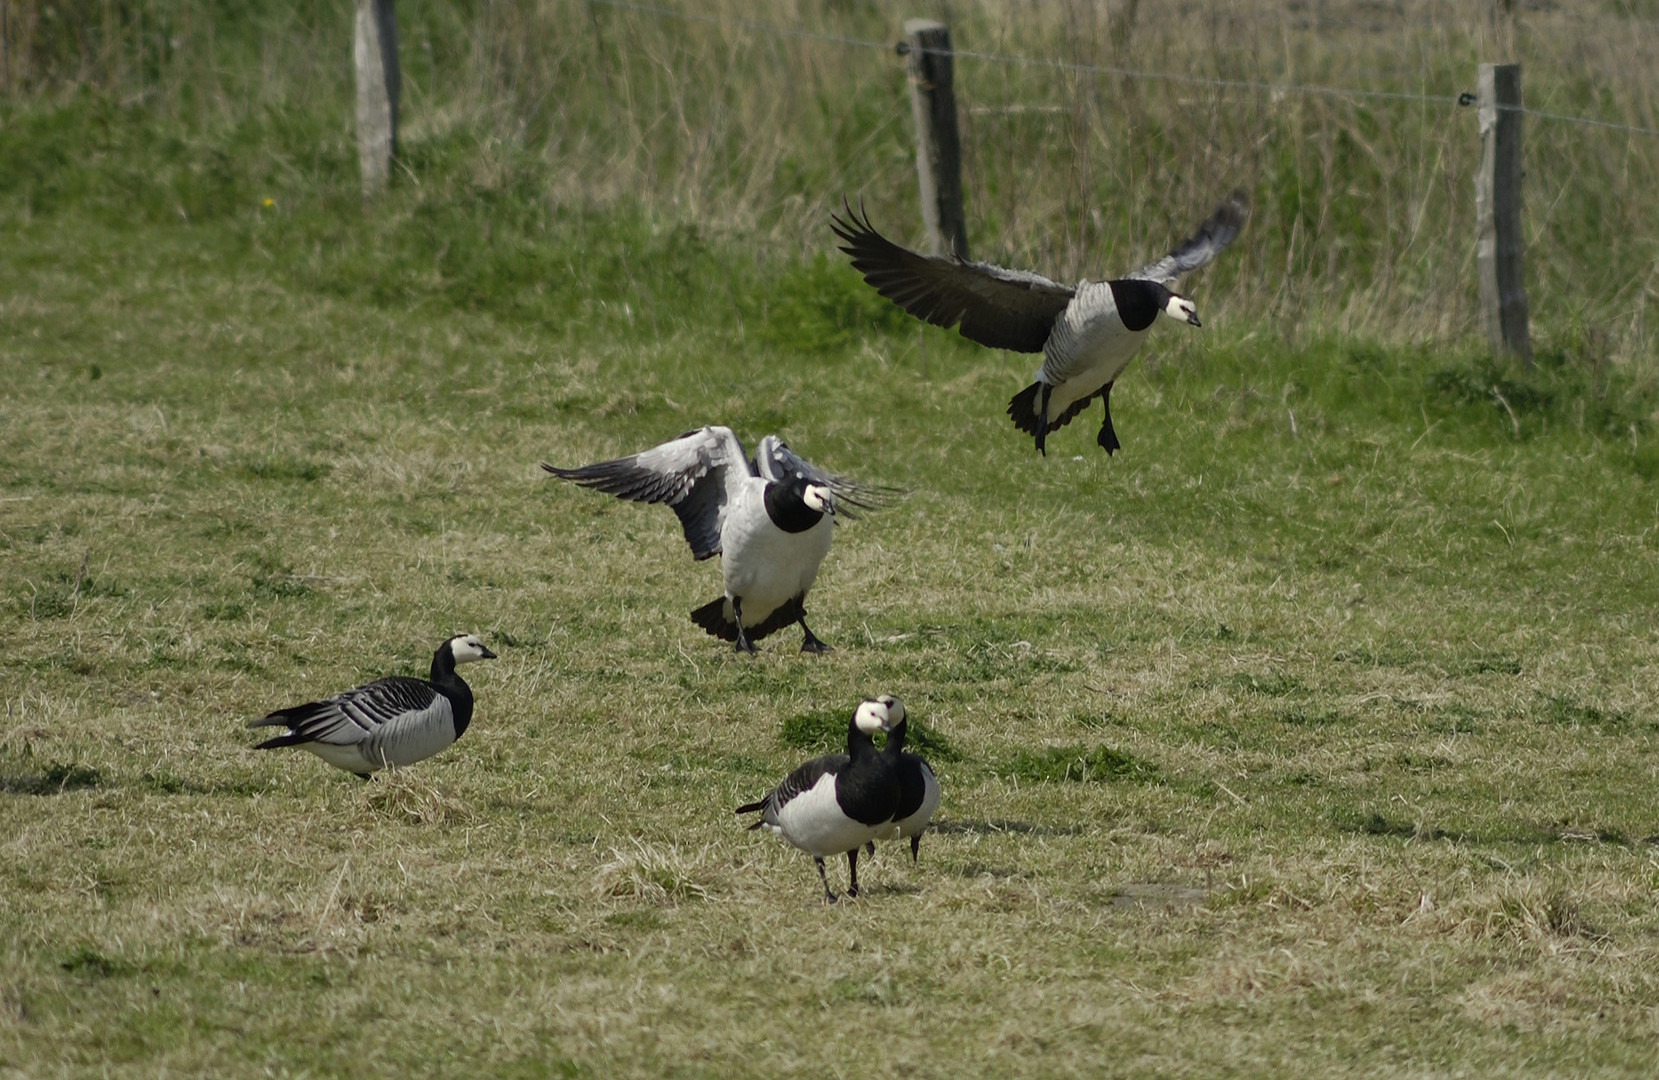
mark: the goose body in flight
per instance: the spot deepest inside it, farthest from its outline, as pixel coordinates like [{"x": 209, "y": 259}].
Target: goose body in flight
[{"x": 1087, "y": 333}]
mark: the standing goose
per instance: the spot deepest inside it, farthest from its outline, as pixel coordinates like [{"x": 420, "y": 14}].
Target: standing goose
[
  {"x": 1087, "y": 333},
  {"x": 769, "y": 519},
  {"x": 837, "y": 802},
  {"x": 918, "y": 787},
  {"x": 390, "y": 722}
]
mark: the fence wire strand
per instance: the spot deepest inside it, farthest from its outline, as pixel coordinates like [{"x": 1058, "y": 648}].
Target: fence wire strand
[{"x": 1074, "y": 68}]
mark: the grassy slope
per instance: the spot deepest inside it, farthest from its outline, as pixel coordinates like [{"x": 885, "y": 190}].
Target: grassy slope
[
  {"x": 1351, "y": 642},
  {"x": 1371, "y": 686}
]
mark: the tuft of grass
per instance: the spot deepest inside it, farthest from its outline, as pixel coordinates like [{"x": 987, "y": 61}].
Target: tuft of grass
[
  {"x": 1082, "y": 764},
  {"x": 653, "y": 873},
  {"x": 88, "y": 961}
]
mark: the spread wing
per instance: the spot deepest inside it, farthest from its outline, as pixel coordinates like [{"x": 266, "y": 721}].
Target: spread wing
[
  {"x": 775, "y": 462},
  {"x": 693, "y": 474},
  {"x": 1198, "y": 249},
  {"x": 1005, "y": 309},
  {"x": 381, "y": 709}
]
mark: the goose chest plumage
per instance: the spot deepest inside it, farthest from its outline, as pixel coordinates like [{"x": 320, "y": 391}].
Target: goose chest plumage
[
  {"x": 769, "y": 519},
  {"x": 918, "y": 788},
  {"x": 387, "y": 723},
  {"x": 1087, "y": 333},
  {"x": 838, "y": 802}
]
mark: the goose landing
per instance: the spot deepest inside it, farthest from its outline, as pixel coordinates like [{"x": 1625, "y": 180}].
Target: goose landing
[
  {"x": 1087, "y": 333},
  {"x": 769, "y": 519}
]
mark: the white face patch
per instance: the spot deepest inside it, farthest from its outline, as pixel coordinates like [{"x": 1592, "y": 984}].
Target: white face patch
[
  {"x": 467, "y": 647},
  {"x": 817, "y": 497},
  {"x": 895, "y": 709},
  {"x": 872, "y": 717},
  {"x": 1179, "y": 307}
]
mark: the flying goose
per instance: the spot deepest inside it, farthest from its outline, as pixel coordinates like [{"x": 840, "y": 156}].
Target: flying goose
[
  {"x": 837, "y": 802},
  {"x": 390, "y": 722},
  {"x": 1087, "y": 333},
  {"x": 769, "y": 519}
]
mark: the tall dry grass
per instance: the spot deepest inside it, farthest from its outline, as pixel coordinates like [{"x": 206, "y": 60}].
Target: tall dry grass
[{"x": 1081, "y": 156}]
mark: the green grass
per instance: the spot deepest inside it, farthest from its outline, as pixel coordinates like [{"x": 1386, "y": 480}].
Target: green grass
[
  {"x": 1360, "y": 701},
  {"x": 1311, "y": 734}
]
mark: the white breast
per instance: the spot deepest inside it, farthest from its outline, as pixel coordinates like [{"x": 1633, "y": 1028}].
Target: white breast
[
  {"x": 814, "y": 822},
  {"x": 763, "y": 564},
  {"x": 1088, "y": 348}
]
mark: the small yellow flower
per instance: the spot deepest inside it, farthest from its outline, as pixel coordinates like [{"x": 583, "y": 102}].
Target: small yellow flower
[{"x": 267, "y": 202}]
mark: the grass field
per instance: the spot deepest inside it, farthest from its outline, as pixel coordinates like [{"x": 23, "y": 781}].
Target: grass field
[
  {"x": 1271, "y": 746},
  {"x": 1310, "y": 735}
]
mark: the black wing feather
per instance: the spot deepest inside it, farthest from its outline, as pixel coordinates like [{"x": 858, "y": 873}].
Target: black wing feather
[
  {"x": 803, "y": 779},
  {"x": 1005, "y": 309}
]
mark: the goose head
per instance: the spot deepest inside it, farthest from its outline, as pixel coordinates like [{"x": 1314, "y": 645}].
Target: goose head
[
  {"x": 895, "y": 709},
  {"x": 1182, "y": 308},
  {"x": 818, "y": 497},
  {"x": 466, "y": 648},
  {"x": 873, "y": 716}
]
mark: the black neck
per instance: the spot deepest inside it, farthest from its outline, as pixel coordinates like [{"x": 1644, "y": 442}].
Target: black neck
[
  {"x": 895, "y": 740},
  {"x": 789, "y": 511},
  {"x": 868, "y": 791},
  {"x": 1138, "y": 302},
  {"x": 446, "y": 682}
]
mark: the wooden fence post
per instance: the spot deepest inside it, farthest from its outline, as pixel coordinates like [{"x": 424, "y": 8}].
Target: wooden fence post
[
  {"x": 375, "y": 51},
  {"x": 938, "y": 145},
  {"x": 1499, "y": 248}
]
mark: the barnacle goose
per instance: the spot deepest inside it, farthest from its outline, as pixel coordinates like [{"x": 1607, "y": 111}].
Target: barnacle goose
[
  {"x": 1087, "y": 333},
  {"x": 838, "y": 802},
  {"x": 918, "y": 787},
  {"x": 769, "y": 519},
  {"x": 393, "y": 721}
]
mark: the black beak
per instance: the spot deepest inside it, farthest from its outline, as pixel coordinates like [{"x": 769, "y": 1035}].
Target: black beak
[{"x": 484, "y": 653}]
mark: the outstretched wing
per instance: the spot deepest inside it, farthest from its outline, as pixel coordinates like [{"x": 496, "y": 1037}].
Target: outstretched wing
[
  {"x": 1005, "y": 309},
  {"x": 775, "y": 462},
  {"x": 692, "y": 474},
  {"x": 1198, "y": 249},
  {"x": 375, "y": 710}
]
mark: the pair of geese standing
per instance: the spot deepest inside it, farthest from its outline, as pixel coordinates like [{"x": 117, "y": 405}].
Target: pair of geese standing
[{"x": 770, "y": 519}]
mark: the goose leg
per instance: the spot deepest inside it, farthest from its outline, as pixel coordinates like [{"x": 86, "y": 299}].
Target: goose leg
[
  {"x": 870, "y": 848},
  {"x": 810, "y": 642},
  {"x": 829, "y": 897},
  {"x": 743, "y": 642},
  {"x": 1042, "y": 420},
  {"x": 852, "y": 872},
  {"x": 1108, "y": 438},
  {"x": 915, "y": 847}
]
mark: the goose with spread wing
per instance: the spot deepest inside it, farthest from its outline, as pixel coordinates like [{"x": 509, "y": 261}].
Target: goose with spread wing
[
  {"x": 769, "y": 519},
  {"x": 1087, "y": 333},
  {"x": 387, "y": 723}
]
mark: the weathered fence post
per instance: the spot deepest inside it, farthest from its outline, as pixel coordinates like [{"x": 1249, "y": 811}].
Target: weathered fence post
[
  {"x": 938, "y": 145},
  {"x": 375, "y": 50},
  {"x": 1499, "y": 249}
]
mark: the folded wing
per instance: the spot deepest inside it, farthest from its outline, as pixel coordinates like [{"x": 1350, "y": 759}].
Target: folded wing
[
  {"x": 1005, "y": 309},
  {"x": 378, "y": 710},
  {"x": 692, "y": 474}
]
